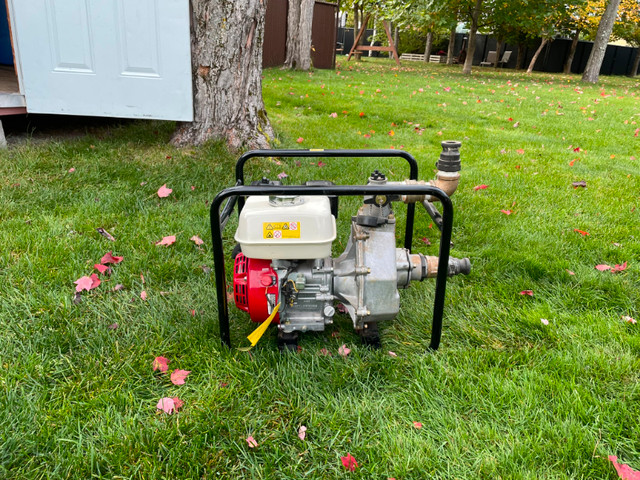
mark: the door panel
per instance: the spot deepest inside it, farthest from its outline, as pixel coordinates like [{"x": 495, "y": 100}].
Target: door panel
[{"x": 119, "y": 58}]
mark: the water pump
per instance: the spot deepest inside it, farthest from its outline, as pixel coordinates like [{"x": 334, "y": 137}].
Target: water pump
[{"x": 284, "y": 273}]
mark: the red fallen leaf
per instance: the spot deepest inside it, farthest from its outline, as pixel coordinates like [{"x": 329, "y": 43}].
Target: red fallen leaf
[
  {"x": 480, "y": 187},
  {"x": 302, "y": 432},
  {"x": 113, "y": 326},
  {"x": 619, "y": 268},
  {"x": 577, "y": 149},
  {"x": 71, "y": 170},
  {"x": 109, "y": 258},
  {"x": 101, "y": 268},
  {"x": 321, "y": 164},
  {"x": 527, "y": 292},
  {"x": 572, "y": 162},
  {"x": 300, "y": 140},
  {"x": 635, "y": 134},
  {"x": 177, "y": 403},
  {"x": 197, "y": 240},
  {"x": 335, "y": 334},
  {"x": 426, "y": 241},
  {"x": 178, "y": 376},
  {"x": 581, "y": 183},
  {"x": 362, "y": 114},
  {"x": 581, "y": 232},
  {"x": 570, "y": 272},
  {"x": 87, "y": 283},
  {"x": 344, "y": 350},
  {"x": 628, "y": 319},
  {"x": 193, "y": 313},
  {"x": 506, "y": 212},
  {"x": 143, "y": 295},
  {"x": 252, "y": 442},
  {"x": 602, "y": 267},
  {"x": 167, "y": 405},
  {"x": 117, "y": 288},
  {"x": 349, "y": 462},
  {"x": 417, "y": 425},
  {"x": 324, "y": 352},
  {"x": 161, "y": 363},
  {"x": 170, "y": 240},
  {"x": 341, "y": 308},
  {"x": 392, "y": 354},
  {"x": 510, "y": 119},
  {"x": 520, "y": 151},
  {"x": 625, "y": 472},
  {"x": 164, "y": 192},
  {"x": 142, "y": 278}
]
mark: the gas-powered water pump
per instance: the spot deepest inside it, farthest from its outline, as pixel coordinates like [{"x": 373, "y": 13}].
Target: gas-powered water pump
[{"x": 284, "y": 273}]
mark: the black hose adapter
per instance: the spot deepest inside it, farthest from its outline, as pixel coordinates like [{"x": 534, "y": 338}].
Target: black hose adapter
[{"x": 449, "y": 160}]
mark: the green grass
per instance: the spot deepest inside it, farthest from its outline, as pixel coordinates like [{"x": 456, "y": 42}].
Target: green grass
[{"x": 504, "y": 397}]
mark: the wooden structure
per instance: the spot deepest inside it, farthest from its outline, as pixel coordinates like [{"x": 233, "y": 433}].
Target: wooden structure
[{"x": 358, "y": 49}]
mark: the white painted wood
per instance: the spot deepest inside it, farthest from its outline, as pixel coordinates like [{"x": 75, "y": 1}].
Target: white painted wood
[{"x": 113, "y": 58}]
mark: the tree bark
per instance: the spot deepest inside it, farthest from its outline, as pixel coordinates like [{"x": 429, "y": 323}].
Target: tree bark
[
  {"x": 572, "y": 53},
  {"x": 498, "y": 52},
  {"x": 356, "y": 21},
  {"x": 636, "y": 64},
  {"x": 592, "y": 70},
  {"x": 537, "y": 54},
  {"x": 226, "y": 56},
  {"x": 396, "y": 39},
  {"x": 373, "y": 37},
  {"x": 475, "y": 15},
  {"x": 427, "y": 46},
  {"x": 299, "y": 24},
  {"x": 452, "y": 44},
  {"x": 520, "y": 60}
]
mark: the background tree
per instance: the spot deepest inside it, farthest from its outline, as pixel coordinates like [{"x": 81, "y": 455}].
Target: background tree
[
  {"x": 628, "y": 28},
  {"x": 299, "y": 25},
  {"x": 226, "y": 50},
  {"x": 592, "y": 70}
]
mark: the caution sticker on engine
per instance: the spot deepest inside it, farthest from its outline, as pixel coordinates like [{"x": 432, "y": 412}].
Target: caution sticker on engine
[{"x": 277, "y": 230}]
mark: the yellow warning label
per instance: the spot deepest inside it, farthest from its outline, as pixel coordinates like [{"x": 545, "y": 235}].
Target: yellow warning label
[{"x": 277, "y": 230}]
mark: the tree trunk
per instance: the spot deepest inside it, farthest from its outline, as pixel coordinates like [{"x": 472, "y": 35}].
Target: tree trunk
[
  {"x": 293, "y": 26},
  {"x": 636, "y": 64},
  {"x": 396, "y": 39},
  {"x": 373, "y": 37},
  {"x": 499, "y": 45},
  {"x": 427, "y": 47},
  {"x": 537, "y": 54},
  {"x": 592, "y": 70},
  {"x": 299, "y": 23},
  {"x": 226, "y": 58},
  {"x": 452, "y": 44},
  {"x": 475, "y": 15},
  {"x": 572, "y": 52},
  {"x": 356, "y": 21},
  {"x": 520, "y": 60}
]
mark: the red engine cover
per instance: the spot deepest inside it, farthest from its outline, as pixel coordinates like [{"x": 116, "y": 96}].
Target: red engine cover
[{"x": 253, "y": 279}]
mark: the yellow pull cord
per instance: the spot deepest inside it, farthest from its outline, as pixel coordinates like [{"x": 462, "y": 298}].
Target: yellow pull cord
[{"x": 258, "y": 332}]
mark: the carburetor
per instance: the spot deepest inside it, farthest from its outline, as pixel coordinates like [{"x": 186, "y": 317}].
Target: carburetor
[{"x": 284, "y": 272}]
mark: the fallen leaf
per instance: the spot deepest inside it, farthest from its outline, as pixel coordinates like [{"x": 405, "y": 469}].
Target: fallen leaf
[
  {"x": 570, "y": 272},
  {"x": 628, "y": 319},
  {"x": 77, "y": 298},
  {"x": 118, "y": 287},
  {"x": 71, "y": 170},
  {"x": 143, "y": 295},
  {"x": 480, "y": 187},
  {"x": 197, "y": 240},
  {"x": 520, "y": 151},
  {"x": 333, "y": 115},
  {"x": 178, "y": 376},
  {"x": 282, "y": 175},
  {"x": 164, "y": 192},
  {"x": 341, "y": 308},
  {"x": 170, "y": 240},
  {"x": 635, "y": 134},
  {"x": 527, "y": 292},
  {"x": 349, "y": 462},
  {"x": 602, "y": 267},
  {"x": 161, "y": 363},
  {"x": 392, "y": 354},
  {"x": 544, "y": 321},
  {"x": 581, "y": 183},
  {"x": 426, "y": 241},
  {"x": 324, "y": 352},
  {"x": 167, "y": 405},
  {"x": 109, "y": 258},
  {"x": 177, "y": 403},
  {"x": 581, "y": 232},
  {"x": 321, "y": 164},
  {"x": 113, "y": 326},
  {"x": 302, "y": 432},
  {"x": 506, "y": 212},
  {"x": 87, "y": 283},
  {"x": 625, "y": 472},
  {"x": 619, "y": 268},
  {"x": 516, "y": 125},
  {"x": 344, "y": 350},
  {"x": 193, "y": 188},
  {"x": 101, "y": 268},
  {"x": 252, "y": 442},
  {"x": 142, "y": 278},
  {"x": 300, "y": 140},
  {"x": 417, "y": 425},
  {"x": 105, "y": 234}
]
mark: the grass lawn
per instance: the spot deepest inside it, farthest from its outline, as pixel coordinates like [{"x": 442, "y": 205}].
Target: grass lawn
[{"x": 523, "y": 387}]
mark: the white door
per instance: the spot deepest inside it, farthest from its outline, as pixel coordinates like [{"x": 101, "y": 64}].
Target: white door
[{"x": 112, "y": 58}]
